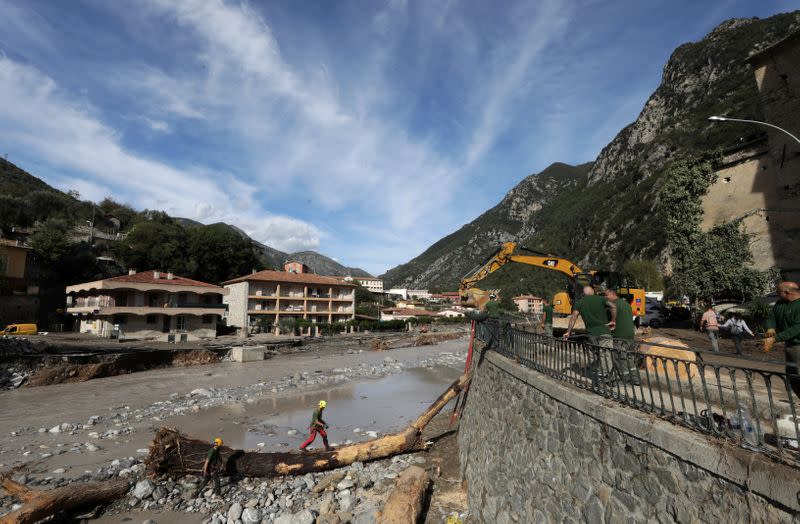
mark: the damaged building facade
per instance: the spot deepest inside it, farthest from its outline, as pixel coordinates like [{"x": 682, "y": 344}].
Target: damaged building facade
[
  {"x": 152, "y": 305},
  {"x": 758, "y": 181}
]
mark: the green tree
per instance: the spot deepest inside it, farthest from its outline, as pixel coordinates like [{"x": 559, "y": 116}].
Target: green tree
[
  {"x": 644, "y": 273},
  {"x": 364, "y": 296},
  {"x": 216, "y": 253},
  {"x": 705, "y": 264},
  {"x": 60, "y": 260},
  {"x": 154, "y": 244}
]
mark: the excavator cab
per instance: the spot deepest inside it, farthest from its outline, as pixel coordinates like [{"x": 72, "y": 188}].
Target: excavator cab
[{"x": 603, "y": 280}]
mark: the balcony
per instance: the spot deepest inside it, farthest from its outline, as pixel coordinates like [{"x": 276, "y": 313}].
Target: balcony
[{"x": 182, "y": 309}]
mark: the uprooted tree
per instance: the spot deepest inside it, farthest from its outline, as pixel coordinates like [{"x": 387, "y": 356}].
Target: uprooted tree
[
  {"x": 39, "y": 504},
  {"x": 176, "y": 454}
]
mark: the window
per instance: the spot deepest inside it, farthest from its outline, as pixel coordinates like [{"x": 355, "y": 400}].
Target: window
[
  {"x": 152, "y": 300},
  {"x": 120, "y": 319},
  {"x": 3, "y": 264},
  {"x": 151, "y": 319},
  {"x": 181, "y": 323},
  {"x": 182, "y": 298},
  {"x": 208, "y": 319}
]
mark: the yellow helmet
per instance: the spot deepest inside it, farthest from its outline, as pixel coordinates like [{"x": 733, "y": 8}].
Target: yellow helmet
[
  {"x": 323, "y": 404},
  {"x": 217, "y": 441}
]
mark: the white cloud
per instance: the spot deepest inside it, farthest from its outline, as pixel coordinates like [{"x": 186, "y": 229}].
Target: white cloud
[
  {"x": 46, "y": 121},
  {"x": 156, "y": 125},
  {"x": 512, "y": 71},
  {"x": 284, "y": 233}
]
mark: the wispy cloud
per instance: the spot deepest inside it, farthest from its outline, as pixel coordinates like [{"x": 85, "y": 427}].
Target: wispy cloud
[
  {"x": 67, "y": 132},
  {"x": 367, "y": 130}
]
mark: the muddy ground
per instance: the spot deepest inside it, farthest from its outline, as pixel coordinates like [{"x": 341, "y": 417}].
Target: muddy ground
[{"x": 86, "y": 430}]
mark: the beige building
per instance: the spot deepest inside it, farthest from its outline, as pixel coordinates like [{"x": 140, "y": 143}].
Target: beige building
[
  {"x": 276, "y": 295},
  {"x": 13, "y": 267},
  {"x": 760, "y": 181},
  {"x": 529, "y": 304},
  {"x": 400, "y": 313},
  {"x": 375, "y": 285},
  {"x": 149, "y": 305}
]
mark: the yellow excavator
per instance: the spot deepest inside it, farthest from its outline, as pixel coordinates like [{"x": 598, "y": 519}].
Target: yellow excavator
[{"x": 563, "y": 300}]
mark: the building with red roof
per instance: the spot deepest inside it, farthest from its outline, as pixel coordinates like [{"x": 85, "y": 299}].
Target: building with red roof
[
  {"x": 271, "y": 296},
  {"x": 155, "y": 305}
]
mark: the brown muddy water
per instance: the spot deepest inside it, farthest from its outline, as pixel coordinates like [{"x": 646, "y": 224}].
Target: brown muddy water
[{"x": 382, "y": 405}]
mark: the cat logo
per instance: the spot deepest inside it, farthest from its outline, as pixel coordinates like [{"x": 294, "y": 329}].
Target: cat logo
[{"x": 551, "y": 262}]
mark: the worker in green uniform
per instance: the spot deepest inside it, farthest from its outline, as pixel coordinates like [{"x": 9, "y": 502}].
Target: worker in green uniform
[
  {"x": 592, "y": 309},
  {"x": 623, "y": 331},
  {"x": 211, "y": 468},
  {"x": 493, "y": 307},
  {"x": 547, "y": 318},
  {"x": 783, "y": 325},
  {"x": 317, "y": 426}
]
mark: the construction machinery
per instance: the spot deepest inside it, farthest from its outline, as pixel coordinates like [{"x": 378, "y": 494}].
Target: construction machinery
[{"x": 563, "y": 300}]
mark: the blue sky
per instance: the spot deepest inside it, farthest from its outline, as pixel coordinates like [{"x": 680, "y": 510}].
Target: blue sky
[{"x": 365, "y": 130}]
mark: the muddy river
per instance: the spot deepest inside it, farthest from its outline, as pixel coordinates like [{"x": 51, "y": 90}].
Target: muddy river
[{"x": 380, "y": 405}]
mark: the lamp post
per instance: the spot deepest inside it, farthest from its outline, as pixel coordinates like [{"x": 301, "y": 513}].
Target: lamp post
[{"x": 773, "y": 126}]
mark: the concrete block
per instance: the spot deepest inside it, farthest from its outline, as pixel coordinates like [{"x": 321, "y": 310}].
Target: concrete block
[{"x": 247, "y": 354}]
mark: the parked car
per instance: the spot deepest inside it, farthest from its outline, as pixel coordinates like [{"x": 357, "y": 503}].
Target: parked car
[
  {"x": 20, "y": 329},
  {"x": 654, "y": 315}
]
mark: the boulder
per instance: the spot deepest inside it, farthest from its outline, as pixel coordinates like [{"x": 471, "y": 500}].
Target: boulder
[
  {"x": 235, "y": 511},
  {"x": 144, "y": 488},
  {"x": 251, "y": 516}
]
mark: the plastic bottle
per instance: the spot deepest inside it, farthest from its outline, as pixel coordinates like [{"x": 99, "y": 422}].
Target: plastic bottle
[{"x": 748, "y": 429}]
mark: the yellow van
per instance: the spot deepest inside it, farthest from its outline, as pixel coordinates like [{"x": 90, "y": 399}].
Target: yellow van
[{"x": 20, "y": 329}]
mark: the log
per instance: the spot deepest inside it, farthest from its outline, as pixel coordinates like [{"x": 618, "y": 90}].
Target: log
[
  {"x": 405, "y": 503},
  {"x": 176, "y": 454},
  {"x": 67, "y": 499}
]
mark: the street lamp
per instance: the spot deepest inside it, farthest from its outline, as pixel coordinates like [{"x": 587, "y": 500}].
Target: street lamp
[{"x": 726, "y": 119}]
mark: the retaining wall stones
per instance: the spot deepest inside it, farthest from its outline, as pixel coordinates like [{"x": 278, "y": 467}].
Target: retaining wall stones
[{"x": 533, "y": 449}]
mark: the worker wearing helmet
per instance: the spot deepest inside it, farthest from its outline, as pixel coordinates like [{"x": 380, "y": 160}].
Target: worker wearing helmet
[
  {"x": 317, "y": 426},
  {"x": 211, "y": 468}
]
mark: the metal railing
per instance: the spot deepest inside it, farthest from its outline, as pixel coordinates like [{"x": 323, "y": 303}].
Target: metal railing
[{"x": 748, "y": 402}]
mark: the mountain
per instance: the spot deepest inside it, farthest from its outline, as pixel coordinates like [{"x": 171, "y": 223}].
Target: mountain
[
  {"x": 26, "y": 199},
  {"x": 607, "y": 211},
  {"x": 445, "y": 262},
  {"x": 17, "y": 182},
  {"x": 323, "y": 265},
  {"x": 273, "y": 258}
]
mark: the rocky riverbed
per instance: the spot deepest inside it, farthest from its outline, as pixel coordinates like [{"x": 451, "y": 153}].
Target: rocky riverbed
[{"x": 73, "y": 450}]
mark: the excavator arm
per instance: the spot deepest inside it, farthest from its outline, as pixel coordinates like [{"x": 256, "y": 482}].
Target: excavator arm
[{"x": 505, "y": 255}]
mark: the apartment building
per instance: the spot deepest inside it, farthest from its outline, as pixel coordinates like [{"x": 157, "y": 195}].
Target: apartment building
[
  {"x": 372, "y": 284},
  {"x": 276, "y": 295},
  {"x": 152, "y": 305},
  {"x": 529, "y": 304}
]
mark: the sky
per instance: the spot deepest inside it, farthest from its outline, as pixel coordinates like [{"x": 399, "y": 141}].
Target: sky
[{"x": 365, "y": 130}]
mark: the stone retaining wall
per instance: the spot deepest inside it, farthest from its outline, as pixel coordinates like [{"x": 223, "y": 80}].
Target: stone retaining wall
[{"x": 537, "y": 450}]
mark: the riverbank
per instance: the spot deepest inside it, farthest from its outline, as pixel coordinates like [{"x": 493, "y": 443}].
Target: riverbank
[{"x": 60, "y": 434}]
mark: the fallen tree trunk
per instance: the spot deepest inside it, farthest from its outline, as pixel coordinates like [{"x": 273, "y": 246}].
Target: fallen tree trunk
[
  {"x": 40, "y": 504},
  {"x": 404, "y": 505},
  {"x": 175, "y": 454}
]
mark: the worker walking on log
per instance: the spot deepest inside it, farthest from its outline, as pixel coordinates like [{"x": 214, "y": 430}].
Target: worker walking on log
[
  {"x": 211, "y": 468},
  {"x": 783, "y": 325},
  {"x": 623, "y": 330},
  {"x": 592, "y": 309},
  {"x": 317, "y": 426}
]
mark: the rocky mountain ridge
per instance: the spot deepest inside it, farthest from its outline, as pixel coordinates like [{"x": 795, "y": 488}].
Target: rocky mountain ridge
[{"x": 609, "y": 214}]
